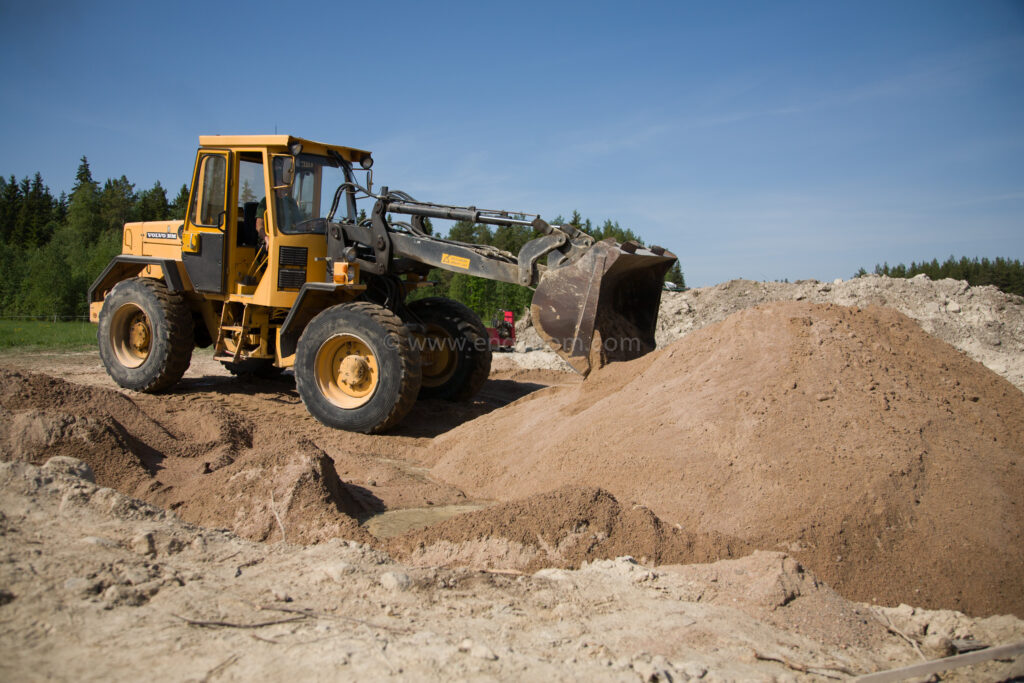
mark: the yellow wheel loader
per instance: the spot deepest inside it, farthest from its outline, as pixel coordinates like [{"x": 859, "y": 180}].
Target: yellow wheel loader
[{"x": 273, "y": 267}]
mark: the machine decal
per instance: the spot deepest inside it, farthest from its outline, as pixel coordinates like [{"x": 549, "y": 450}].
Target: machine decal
[{"x": 457, "y": 261}]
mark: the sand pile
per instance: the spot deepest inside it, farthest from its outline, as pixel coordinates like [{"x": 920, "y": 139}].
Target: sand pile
[
  {"x": 290, "y": 494},
  {"x": 883, "y": 459},
  {"x": 562, "y": 528},
  {"x": 986, "y": 324},
  {"x": 35, "y": 436},
  {"x": 42, "y": 417},
  {"x": 199, "y": 462}
]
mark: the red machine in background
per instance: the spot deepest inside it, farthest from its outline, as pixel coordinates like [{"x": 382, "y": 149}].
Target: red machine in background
[{"x": 502, "y": 331}]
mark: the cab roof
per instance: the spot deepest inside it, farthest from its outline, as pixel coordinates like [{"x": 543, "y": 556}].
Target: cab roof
[{"x": 281, "y": 143}]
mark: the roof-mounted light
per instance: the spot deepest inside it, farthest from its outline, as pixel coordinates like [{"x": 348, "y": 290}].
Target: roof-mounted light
[{"x": 366, "y": 162}]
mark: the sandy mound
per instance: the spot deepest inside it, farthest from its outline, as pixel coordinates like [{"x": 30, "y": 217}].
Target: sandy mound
[
  {"x": 884, "y": 460},
  {"x": 289, "y": 494},
  {"x": 42, "y": 416},
  {"x": 563, "y": 528},
  {"x": 34, "y": 436},
  {"x": 199, "y": 462},
  {"x": 984, "y": 323}
]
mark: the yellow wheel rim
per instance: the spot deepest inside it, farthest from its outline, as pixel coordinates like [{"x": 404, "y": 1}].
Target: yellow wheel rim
[
  {"x": 346, "y": 371},
  {"x": 131, "y": 335},
  {"x": 438, "y": 359}
]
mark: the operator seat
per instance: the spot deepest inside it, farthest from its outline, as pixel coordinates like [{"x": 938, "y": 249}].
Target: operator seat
[{"x": 247, "y": 236}]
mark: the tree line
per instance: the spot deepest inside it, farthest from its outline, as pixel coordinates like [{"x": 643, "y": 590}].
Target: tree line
[
  {"x": 1005, "y": 274},
  {"x": 52, "y": 248}
]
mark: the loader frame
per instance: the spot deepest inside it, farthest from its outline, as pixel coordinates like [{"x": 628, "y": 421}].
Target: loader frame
[{"x": 253, "y": 299}]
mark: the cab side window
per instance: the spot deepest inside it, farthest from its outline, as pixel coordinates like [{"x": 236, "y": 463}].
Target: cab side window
[
  {"x": 306, "y": 191},
  {"x": 208, "y": 203},
  {"x": 250, "y": 197}
]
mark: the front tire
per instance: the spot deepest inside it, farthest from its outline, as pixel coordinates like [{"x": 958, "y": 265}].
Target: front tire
[
  {"x": 356, "y": 368},
  {"x": 145, "y": 335}
]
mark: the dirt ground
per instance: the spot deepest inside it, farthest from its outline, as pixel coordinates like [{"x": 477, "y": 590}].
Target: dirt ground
[
  {"x": 755, "y": 500},
  {"x": 100, "y": 586}
]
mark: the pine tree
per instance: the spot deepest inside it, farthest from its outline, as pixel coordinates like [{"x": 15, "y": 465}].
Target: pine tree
[
  {"x": 116, "y": 203},
  {"x": 10, "y": 205},
  {"x": 246, "y": 194},
  {"x": 152, "y": 204},
  {"x": 83, "y": 176},
  {"x": 179, "y": 207},
  {"x": 614, "y": 231},
  {"x": 84, "y": 206},
  {"x": 35, "y": 222},
  {"x": 60, "y": 211},
  {"x": 675, "y": 276}
]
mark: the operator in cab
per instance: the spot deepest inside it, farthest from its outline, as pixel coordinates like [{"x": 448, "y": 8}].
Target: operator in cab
[{"x": 288, "y": 213}]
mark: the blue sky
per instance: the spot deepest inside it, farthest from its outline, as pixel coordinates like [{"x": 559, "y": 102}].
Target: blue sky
[{"x": 760, "y": 140}]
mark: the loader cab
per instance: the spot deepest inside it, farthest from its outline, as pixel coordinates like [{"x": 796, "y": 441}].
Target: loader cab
[
  {"x": 248, "y": 187},
  {"x": 230, "y": 223},
  {"x": 220, "y": 237}
]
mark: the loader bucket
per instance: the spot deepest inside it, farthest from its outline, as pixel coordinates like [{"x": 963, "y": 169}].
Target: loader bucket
[{"x": 603, "y": 306}]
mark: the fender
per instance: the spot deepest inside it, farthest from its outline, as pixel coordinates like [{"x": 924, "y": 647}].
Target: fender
[
  {"x": 313, "y": 297},
  {"x": 125, "y": 266}
]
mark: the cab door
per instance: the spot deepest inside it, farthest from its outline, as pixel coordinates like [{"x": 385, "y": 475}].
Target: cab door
[{"x": 209, "y": 215}]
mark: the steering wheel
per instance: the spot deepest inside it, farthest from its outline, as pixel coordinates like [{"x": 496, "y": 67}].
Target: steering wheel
[{"x": 310, "y": 225}]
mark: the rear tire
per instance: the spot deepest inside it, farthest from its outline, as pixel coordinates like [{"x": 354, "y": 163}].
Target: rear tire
[
  {"x": 145, "y": 335},
  {"x": 356, "y": 368},
  {"x": 455, "y": 352}
]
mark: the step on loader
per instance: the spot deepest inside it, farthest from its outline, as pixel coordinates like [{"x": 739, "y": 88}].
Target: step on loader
[{"x": 273, "y": 267}]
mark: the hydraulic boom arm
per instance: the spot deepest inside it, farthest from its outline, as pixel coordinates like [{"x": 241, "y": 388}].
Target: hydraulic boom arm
[{"x": 594, "y": 302}]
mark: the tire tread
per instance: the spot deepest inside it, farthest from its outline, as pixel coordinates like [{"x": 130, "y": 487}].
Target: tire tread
[
  {"x": 176, "y": 335},
  {"x": 470, "y": 326},
  {"x": 408, "y": 365}
]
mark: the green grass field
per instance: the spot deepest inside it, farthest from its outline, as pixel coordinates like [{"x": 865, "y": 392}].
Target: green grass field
[{"x": 36, "y": 334}]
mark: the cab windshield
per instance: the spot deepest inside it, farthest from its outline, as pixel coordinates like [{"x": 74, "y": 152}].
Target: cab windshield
[
  {"x": 316, "y": 179},
  {"x": 312, "y": 189}
]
